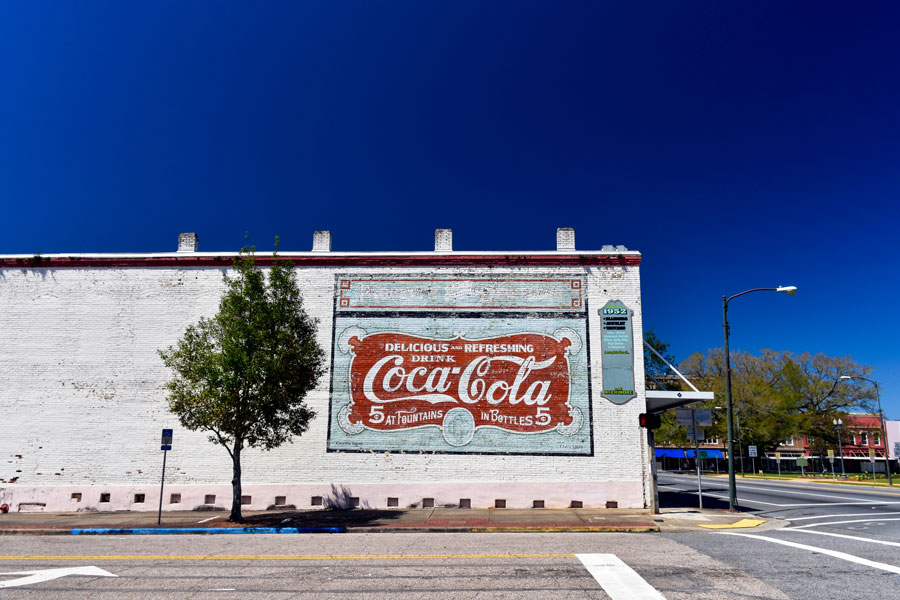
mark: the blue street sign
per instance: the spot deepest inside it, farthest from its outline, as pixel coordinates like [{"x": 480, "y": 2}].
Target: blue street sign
[{"x": 166, "y": 439}]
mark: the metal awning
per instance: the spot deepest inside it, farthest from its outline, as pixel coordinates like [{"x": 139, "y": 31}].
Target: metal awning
[{"x": 661, "y": 401}]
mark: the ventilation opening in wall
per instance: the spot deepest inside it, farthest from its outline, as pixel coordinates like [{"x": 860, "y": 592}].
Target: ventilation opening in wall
[
  {"x": 427, "y": 502},
  {"x": 76, "y": 497},
  {"x": 612, "y": 504},
  {"x": 246, "y": 499},
  {"x": 315, "y": 501},
  {"x": 537, "y": 504},
  {"x": 393, "y": 502},
  {"x": 280, "y": 500},
  {"x": 209, "y": 499},
  {"x": 500, "y": 503},
  {"x": 576, "y": 504},
  {"x": 104, "y": 497},
  {"x": 175, "y": 499},
  {"x": 354, "y": 502},
  {"x": 465, "y": 503},
  {"x": 139, "y": 498}
]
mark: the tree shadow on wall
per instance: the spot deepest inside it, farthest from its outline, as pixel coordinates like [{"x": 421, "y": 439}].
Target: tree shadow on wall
[
  {"x": 342, "y": 508},
  {"x": 341, "y": 498}
]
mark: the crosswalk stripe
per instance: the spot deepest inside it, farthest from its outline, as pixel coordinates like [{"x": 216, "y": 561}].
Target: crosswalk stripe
[{"x": 617, "y": 579}]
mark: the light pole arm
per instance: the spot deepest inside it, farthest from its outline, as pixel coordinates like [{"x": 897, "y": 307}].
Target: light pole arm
[
  {"x": 730, "y": 298},
  {"x": 732, "y": 486}
]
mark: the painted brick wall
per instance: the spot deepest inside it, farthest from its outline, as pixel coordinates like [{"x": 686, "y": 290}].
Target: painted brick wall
[{"x": 82, "y": 390}]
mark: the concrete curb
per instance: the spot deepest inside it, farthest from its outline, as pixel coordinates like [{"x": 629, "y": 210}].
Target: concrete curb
[
  {"x": 636, "y": 528},
  {"x": 203, "y": 530}
]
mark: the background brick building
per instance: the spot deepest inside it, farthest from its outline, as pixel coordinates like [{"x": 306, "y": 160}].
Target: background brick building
[{"x": 83, "y": 397}]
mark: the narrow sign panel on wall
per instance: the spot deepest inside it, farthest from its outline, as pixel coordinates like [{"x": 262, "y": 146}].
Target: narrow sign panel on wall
[
  {"x": 618, "y": 357},
  {"x": 460, "y": 364}
]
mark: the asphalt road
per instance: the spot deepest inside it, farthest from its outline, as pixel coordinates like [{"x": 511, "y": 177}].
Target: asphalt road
[
  {"x": 830, "y": 534},
  {"x": 831, "y": 507},
  {"x": 382, "y": 566},
  {"x": 828, "y": 542}
]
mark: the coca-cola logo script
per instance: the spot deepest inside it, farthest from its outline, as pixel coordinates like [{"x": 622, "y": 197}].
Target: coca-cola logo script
[{"x": 517, "y": 383}]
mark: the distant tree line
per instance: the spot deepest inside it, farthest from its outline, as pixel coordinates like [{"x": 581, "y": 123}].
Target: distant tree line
[{"x": 777, "y": 395}]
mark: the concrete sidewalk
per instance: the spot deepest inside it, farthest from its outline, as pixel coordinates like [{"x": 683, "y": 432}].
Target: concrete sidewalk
[{"x": 369, "y": 520}]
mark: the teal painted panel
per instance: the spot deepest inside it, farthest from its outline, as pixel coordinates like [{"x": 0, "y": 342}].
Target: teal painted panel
[
  {"x": 431, "y": 293},
  {"x": 484, "y": 380},
  {"x": 617, "y": 346}
]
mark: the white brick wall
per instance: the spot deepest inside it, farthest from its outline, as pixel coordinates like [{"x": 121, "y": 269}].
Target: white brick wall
[{"x": 83, "y": 400}]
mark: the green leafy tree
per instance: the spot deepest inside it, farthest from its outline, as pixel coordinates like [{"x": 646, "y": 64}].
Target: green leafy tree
[
  {"x": 656, "y": 371},
  {"x": 813, "y": 382},
  {"x": 242, "y": 374},
  {"x": 779, "y": 395},
  {"x": 658, "y": 375}
]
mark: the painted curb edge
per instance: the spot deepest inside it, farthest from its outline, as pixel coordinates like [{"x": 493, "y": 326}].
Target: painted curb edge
[{"x": 204, "y": 530}]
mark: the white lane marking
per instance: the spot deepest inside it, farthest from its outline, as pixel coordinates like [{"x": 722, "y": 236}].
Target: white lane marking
[
  {"x": 209, "y": 519},
  {"x": 834, "y": 553},
  {"x": 842, "y": 522},
  {"x": 841, "y": 535},
  {"x": 792, "y": 519},
  {"x": 742, "y": 500},
  {"x": 48, "y": 574},
  {"x": 781, "y": 486},
  {"x": 833, "y": 496},
  {"x": 617, "y": 579}
]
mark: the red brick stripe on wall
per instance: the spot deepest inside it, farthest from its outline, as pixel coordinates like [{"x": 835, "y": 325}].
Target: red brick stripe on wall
[{"x": 471, "y": 260}]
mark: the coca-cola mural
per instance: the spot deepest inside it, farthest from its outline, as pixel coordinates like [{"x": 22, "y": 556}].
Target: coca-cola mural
[{"x": 460, "y": 364}]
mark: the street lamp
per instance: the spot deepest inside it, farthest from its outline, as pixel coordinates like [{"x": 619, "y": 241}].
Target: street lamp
[
  {"x": 884, "y": 441},
  {"x": 790, "y": 290},
  {"x": 837, "y": 424}
]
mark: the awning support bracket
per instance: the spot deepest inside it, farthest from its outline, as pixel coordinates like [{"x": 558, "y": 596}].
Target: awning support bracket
[{"x": 670, "y": 365}]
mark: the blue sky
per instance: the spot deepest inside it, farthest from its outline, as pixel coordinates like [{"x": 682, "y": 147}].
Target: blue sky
[{"x": 736, "y": 145}]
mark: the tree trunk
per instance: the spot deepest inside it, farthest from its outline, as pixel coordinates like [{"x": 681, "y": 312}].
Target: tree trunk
[{"x": 236, "y": 516}]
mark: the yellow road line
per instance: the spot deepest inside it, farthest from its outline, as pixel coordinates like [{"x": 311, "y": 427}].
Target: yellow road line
[{"x": 275, "y": 556}]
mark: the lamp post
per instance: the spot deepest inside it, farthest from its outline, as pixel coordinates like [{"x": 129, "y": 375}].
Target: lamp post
[
  {"x": 884, "y": 441},
  {"x": 837, "y": 425},
  {"x": 732, "y": 486}
]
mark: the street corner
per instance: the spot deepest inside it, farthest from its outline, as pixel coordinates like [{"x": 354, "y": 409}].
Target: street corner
[
  {"x": 698, "y": 520},
  {"x": 743, "y": 523}
]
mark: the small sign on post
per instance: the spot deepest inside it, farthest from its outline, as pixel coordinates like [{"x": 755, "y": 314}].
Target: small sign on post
[
  {"x": 703, "y": 417},
  {"x": 696, "y": 434},
  {"x": 166, "y": 439},
  {"x": 802, "y": 462},
  {"x": 684, "y": 417},
  {"x": 165, "y": 446},
  {"x": 778, "y": 460},
  {"x": 752, "y": 451}
]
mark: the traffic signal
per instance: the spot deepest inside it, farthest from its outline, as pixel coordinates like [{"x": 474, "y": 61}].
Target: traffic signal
[{"x": 649, "y": 420}]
